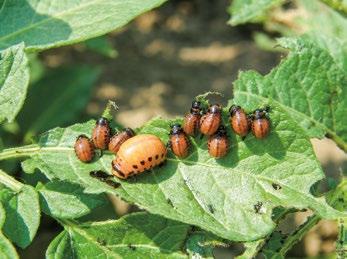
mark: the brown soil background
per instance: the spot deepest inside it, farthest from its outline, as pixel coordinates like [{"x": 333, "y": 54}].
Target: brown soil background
[{"x": 167, "y": 57}]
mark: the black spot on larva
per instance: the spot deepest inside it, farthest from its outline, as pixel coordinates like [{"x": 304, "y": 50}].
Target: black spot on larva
[
  {"x": 120, "y": 173},
  {"x": 135, "y": 166},
  {"x": 162, "y": 155},
  {"x": 156, "y": 157},
  {"x": 150, "y": 159},
  {"x": 282, "y": 241},
  {"x": 276, "y": 186},
  {"x": 142, "y": 162}
]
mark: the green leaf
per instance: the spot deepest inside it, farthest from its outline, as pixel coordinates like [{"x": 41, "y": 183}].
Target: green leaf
[
  {"x": 7, "y": 251},
  {"x": 65, "y": 200},
  {"x": 325, "y": 27},
  {"x": 278, "y": 244},
  {"x": 14, "y": 79},
  {"x": 45, "y": 24},
  {"x": 62, "y": 95},
  {"x": 138, "y": 235},
  {"x": 308, "y": 84},
  {"x": 243, "y": 11},
  {"x": 22, "y": 214},
  {"x": 252, "y": 248},
  {"x": 216, "y": 195},
  {"x": 340, "y": 5}
]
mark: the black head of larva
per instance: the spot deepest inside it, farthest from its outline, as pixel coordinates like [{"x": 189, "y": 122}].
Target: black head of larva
[
  {"x": 259, "y": 114},
  {"x": 222, "y": 131},
  {"x": 196, "y": 107},
  {"x": 233, "y": 109},
  {"x": 216, "y": 108},
  {"x": 102, "y": 121},
  {"x": 82, "y": 136},
  {"x": 176, "y": 129},
  {"x": 129, "y": 132}
]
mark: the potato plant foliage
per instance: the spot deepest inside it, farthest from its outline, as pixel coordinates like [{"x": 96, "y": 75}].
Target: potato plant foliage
[{"x": 189, "y": 205}]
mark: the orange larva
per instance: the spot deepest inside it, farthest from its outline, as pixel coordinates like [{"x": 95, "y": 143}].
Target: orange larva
[
  {"x": 101, "y": 133},
  {"x": 138, "y": 154},
  {"x": 260, "y": 123},
  {"x": 210, "y": 122},
  {"x": 239, "y": 121},
  {"x": 192, "y": 119},
  {"x": 218, "y": 143},
  {"x": 84, "y": 148},
  {"x": 118, "y": 139},
  {"x": 179, "y": 142}
]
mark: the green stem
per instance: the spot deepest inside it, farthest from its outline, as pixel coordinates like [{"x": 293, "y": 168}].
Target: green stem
[
  {"x": 10, "y": 182},
  {"x": 18, "y": 152},
  {"x": 295, "y": 237},
  {"x": 107, "y": 112},
  {"x": 299, "y": 234},
  {"x": 339, "y": 142}
]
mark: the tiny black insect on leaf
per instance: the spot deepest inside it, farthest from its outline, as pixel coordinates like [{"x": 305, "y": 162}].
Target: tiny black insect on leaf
[{"x": 276, "y": 186}]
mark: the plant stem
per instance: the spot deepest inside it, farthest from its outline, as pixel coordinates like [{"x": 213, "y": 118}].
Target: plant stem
[
  {"x": 299, "y": 234},
  {"x": 295, "y": 237},
  {"x": 339, "y": 142},
  {"x": 10, "y": 182},
  {"x": 107, "y": 112}
]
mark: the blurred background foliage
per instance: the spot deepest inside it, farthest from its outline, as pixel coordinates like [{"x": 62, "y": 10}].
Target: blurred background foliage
[{"x": 155, "y": 66}]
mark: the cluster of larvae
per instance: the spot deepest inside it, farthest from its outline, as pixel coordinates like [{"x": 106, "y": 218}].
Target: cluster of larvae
[
  {"x": 138, "y": 153},
  {"x": 210, "y": 124}
]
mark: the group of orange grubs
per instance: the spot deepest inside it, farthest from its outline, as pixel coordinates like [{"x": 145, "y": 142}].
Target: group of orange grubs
[{"x": 137, "y": 153}]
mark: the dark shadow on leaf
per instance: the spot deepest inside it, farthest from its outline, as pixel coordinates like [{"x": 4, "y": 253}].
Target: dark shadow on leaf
[
  {"x": 160, "y": 233},
  {"x": 15, "y": 227},
  {"x": 271, "y": 145},
  {"x": 37, "y": 29}
]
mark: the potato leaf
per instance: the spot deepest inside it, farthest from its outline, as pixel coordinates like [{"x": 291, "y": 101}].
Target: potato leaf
[
  {"x": 66, "y": 200},
  {"x": 216, "y": 195},
  {"x": 22, "y": 214},
  {"x": 138, "y": 235},
  {"x": 314, "y": 25},
  {"x": 45, "y": 24},
  {"x": 243, "y": 11},
  {"x": 308, "y": 84},
  {"x": 14, "y": 80},
  {"x": 7, "y": 251}
]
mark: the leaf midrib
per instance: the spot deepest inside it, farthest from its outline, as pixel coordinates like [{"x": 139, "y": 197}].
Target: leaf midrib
[
  {"x": 105, "y": 248},
  {"x": 257, "y": 176},
  {"x": 89, "y": 238}
]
